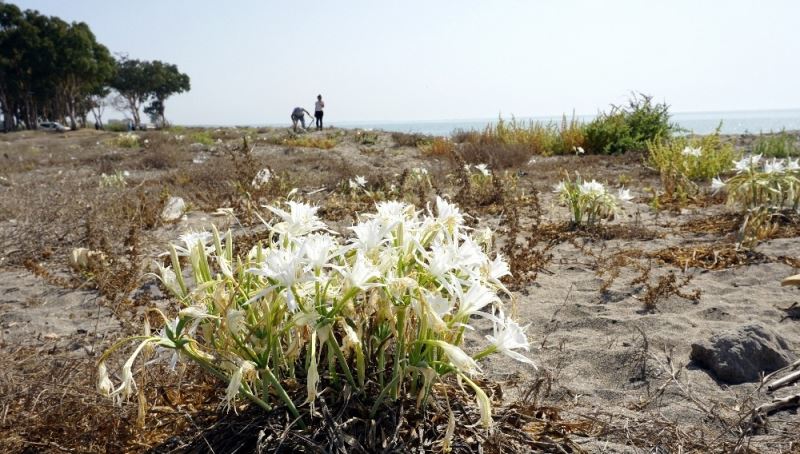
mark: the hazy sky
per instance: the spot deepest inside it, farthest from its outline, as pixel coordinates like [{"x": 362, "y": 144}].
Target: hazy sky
[{"x": 251, "y": 62}]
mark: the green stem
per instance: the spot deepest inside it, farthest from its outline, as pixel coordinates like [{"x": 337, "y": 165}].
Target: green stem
[
  {"x": 382, "y": 396},
  {"x": 399, "y": 351},
  {"x": 342, "y": 362}
]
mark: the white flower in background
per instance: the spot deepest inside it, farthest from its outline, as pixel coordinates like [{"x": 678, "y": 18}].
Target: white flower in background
[
  {"x": 592, "y": 187},
  {"x": 578, "y": 150},
  {"x": 717, "y": 184},
  {"x": 692, "y": 151},
  {"x": 358, "y": 182},
  {"x": 531, "y": 161},
  {"x": 458, "y": 358},
  {"x": 483, "y": 169},
  {"x": 624, "y": 195},
  {"x": 747, "y": 163},
  {"x": 773, "y": 166},
  {"x": 792, "y": 164},
  {"x": 560, "y": 187},
  {"x": 419, "y": 171},
  {"x": 192, "y": 239},
  {"x": 301, "y": 219},
  {"x": 262, "y": 178},
  {"x": 509, "y": 336}
]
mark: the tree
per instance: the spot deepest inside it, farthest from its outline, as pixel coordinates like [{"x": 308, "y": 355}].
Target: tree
[
  {"x": 48, "y": 68},
  {"x": 166, "y": 81},
  {"x": 132, "y": 82}
]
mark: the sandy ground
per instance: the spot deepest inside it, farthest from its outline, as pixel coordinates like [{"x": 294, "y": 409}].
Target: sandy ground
[{"x": 604, "y": 355}]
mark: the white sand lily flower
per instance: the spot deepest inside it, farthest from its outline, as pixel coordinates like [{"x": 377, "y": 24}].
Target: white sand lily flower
[
  {"x": 245, "y": 369},
  {"x": 692, "y": 151},
  {"x": 578, "y": 150},
  {"x": 774, "y": 166},
  {"x": 318, "y": 249},
  {"x": 448, "y": 214},
  {"x": 747, "y": 163},
  {"x": 483, "y": 169},
  {"x": 458, "y": 358},
  {"x": 301, "y": 219},
  {"x": 592, "y": 187},
  {"x": 359, "y": 182},
  {"x": 624, "y": 195},
  {"x": 262, "y": 178},
  {"x": 476, "y": 298},
  {"x": 361, "y": 274},
  {"x": 792, "y": 164},
  {"x": 717, "y": 185},
  {"x": 560, "y": 187},
  {"x": 192, "y": 239},
  {"x": 104, "y": 385},
  {"x": 370, "y": 234},
  {"x": 168, "y": 278},
  {"x": 509, "y": 336}
]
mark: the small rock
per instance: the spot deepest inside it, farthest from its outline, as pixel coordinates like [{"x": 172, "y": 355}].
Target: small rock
[
  {"x": 174, "y": 209},
  {"x": 743, "y": 354}
]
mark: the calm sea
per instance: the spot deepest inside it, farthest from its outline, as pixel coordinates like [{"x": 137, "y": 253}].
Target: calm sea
[{"x": 698, "y": 122}]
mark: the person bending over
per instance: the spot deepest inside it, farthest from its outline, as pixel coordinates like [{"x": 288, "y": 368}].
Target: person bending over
[{"x": 298, "y": 114}]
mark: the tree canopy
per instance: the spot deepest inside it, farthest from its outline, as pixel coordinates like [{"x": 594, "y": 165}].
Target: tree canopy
[{"x": 54, "y": 70}]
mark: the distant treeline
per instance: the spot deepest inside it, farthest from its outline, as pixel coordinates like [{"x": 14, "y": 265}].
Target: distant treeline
[{"x": 57, "y": 71}]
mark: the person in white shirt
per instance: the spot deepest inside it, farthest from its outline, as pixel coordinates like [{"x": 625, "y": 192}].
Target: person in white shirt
[{"x": 318, "y": 108}]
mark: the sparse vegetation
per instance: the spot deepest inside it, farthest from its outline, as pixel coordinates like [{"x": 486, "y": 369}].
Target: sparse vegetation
[
  {"x": 778, "y": 145},
  {"x": 53, "y": 210}
]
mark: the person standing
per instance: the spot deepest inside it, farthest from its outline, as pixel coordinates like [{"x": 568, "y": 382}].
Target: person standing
[
  {"x": 298, "y": 114},
  {"x": 319, "y": 106}
]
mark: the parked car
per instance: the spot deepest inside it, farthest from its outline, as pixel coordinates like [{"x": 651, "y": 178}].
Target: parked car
[{"x": 52, "y": 126}]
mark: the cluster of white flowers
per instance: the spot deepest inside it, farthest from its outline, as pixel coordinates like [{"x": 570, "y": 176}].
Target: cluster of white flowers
[
  {"x": 758, "y": 168},
  {"x": 117, "y": 180},
  {"x": 590, "y": 200},
  {"x": 413, "y": 280}
]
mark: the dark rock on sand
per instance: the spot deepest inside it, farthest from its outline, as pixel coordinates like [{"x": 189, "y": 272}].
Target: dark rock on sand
[{"x": 743, "y": 354}]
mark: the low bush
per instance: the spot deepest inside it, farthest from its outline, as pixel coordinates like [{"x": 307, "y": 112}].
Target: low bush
[
  {"x": 629, "y": 127},
  {"x": 682, "y": 161}
]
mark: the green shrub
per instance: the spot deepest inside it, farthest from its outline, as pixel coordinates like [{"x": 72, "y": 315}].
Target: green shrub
[
  {"x": 116, "y": 127},
  {"x": 630, "y": 127},
  {"x": 781, "y": 145},
  {"x": 683, "y": 160}
]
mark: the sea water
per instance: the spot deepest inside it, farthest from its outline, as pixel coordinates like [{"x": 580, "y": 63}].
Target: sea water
[{"x": 740, "y": 122}]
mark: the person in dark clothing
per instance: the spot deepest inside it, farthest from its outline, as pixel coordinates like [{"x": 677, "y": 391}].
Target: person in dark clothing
[
  {"x": 319, "y": 106},
  {"x": 298, "y": 114}
]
